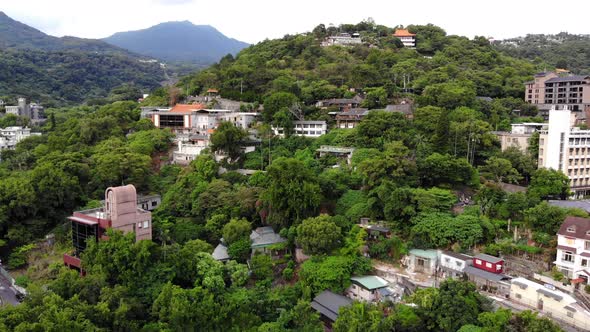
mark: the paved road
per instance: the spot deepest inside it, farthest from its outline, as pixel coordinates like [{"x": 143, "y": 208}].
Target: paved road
[{"x": 7, "y": 293}]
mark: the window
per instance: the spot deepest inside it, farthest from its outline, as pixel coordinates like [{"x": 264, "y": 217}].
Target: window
[
  {"x": 567, "y": 256},
  {"x": 584, "y": 262},
  {"x": 570, "y": 314},
  {"x": 146, "y": 224},
  {"x": 154, "y": 203},
  {"x": 488, "y": 265},
  {"x": 459, "y": 264},
  {"x": 518, "y": 296},
  {"x": 587, "y": 243},
  {"x": 139, "y": 224},
  {"x": 447, "y": 259},
  {"x": 498, "y": 267},
  {"x": 571, "y": 229},
  {"x": 478, "y": 262}
]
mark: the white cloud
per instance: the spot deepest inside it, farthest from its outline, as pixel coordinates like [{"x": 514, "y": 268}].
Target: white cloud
[{"x": 255, "y": 20}]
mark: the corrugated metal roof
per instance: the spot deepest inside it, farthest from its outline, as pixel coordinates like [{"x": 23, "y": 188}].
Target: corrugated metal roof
[
  {"x": 328, "y": 304},
  {"x": 470, "y": 270},
  {"x": 488, "y": 258},
  {"x": 370, "y": 282}
]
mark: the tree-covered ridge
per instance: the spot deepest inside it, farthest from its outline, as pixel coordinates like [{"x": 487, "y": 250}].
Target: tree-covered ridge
[
  {"x": 298, "y": 64},
  {"x": 563, "y": 50},
  {"x": 65, "y": 77}
]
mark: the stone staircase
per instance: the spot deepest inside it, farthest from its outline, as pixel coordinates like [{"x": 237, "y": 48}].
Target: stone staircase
[{"x": 583, "y": 298}]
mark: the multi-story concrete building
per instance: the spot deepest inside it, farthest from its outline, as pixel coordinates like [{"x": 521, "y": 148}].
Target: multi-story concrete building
[
  {"x": 519, "y": 136},
  {"x": 10, "y": 136},
  {"x": 119, "y": 212},
  {"x": 35, "y": 112},
  {"x": 305, "y": 128},
  {"x": 573, "y": 248},
  {"x": 566, "y": 148},
  {"x": 342, "y": 104},
  {"x": 553, "y": 88},
  {"x": 343, "y": 39},
  {"x": 193, "y": 126},
  {"x": 573, "y": 90},
  {"x": 189, "y": 150},
  {"x": 407, "y": 38},
  {"x": 535, "y": 89}
]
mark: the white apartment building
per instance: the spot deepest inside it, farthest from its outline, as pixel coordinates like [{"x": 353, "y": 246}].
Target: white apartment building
[
  {"x": 566, "y": 148},
  {"x": 305, "y": 128},
  {"x": 10, "y": 136},
  {"x": 188, "y": 151},
  {"x": 573, "y": 248}
]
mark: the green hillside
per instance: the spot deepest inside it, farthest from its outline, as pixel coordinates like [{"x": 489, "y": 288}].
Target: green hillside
[
  {"x": 298, "y": 64},
  {"x": 67, "y": 70},
  {"x": 562, "y": 50},
  {"x": 66, "y": 77}
]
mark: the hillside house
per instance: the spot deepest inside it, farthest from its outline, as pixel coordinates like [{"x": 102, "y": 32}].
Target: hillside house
[
  {"x": 120, "y": 212},
  {"x": 337, "y": 151},
  {"x": 342, "y": 104},
  {"x": 369, "y": 289},
  {"x": 264, "y": 239},
  {"x": 349, "y": 119},
  {"x": 550, "y": 302},
  {"x": 305, "y": 128},
  {"x": 407, "y": 38},
  {"x": 423, "y": 261},
  {"x": 573, "y": 248},
  {"x": 453, "y": 264},
  {"x": 486, "y": 273},
  {"x": 328, "y": 304}
]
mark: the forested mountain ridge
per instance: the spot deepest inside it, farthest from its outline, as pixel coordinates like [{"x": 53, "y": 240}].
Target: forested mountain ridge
[
  {"x": 178, "y": 41},
  {"x": 17, "y": 35},
  {"x": 298, "y": 64},
  {"x": 563, "y": 50},
  {"x": 67, "y": 70}
]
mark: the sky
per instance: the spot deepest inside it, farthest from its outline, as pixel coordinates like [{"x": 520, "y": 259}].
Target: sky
[{"x": 255, "y": 20}]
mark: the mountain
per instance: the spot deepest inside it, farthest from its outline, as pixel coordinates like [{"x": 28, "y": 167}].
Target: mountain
[
  {"x": 67, "y": 70},
  {"x": 179, "y": 41},
  {"x": 300, "y": 65},
  {"x": 17, "y": 35},
  {"x": 563, "y": 50}
]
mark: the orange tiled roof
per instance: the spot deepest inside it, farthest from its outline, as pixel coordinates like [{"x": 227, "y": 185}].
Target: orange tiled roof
[
  {"x": 212, "y": 91},
  {"x": 185, "y": 108},
  {"x": 403, "y": 33}
]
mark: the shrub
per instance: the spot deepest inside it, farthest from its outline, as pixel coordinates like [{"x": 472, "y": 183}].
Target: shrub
[{"x": 288, "y": 273}]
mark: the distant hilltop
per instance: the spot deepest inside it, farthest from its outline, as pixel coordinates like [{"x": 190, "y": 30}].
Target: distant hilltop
[{"x": 179, "y": 41}]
